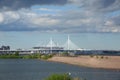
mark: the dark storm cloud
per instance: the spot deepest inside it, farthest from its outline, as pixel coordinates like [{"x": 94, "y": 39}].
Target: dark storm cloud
[{"x": 17, "y": 4}]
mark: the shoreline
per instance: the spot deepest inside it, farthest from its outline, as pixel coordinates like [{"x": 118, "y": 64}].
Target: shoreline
[{"x": 111, "y": 63}]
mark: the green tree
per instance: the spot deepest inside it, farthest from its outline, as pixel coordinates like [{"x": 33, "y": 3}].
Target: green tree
[
  {"x": 16, "y": 53},
  {"x": 65, "y": 54}
]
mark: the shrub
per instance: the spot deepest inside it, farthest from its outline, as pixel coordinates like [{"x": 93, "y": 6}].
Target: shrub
[
  {"x": 65, "y": 54},
  {"x": 59, "y": 77},
  {"x": 46, "y": 56},
  {"x": 97, "y": 56},
  {"x": 91, "y": 56},
  {"x": 62, "y": 77},
  {"x": 102, "y": 57},
  {"x": 106, "y": 57},
  {"x": 17, "y": 53}
]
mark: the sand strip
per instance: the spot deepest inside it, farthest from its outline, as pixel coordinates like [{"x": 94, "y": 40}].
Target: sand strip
[{"x": 108, "y": 62}]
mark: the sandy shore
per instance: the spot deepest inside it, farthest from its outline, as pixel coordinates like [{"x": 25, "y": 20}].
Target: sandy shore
[{"x": 111, "y": 62}]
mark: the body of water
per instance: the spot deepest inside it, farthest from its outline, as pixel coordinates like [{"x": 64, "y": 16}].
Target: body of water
[{"x": 28, "y": 69}]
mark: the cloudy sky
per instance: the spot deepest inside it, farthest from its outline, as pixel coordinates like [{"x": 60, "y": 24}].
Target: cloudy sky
[{"x": 59, "y": 16}]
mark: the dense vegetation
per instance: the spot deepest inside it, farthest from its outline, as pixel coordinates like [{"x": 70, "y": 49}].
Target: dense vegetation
[
  {"x": 59, "y": 77},
  {"x": 29, "y": 56},
  {"x": 62, "y": 77},
  {"x": 10, "y": 56},
  {"x": 38, "y": 56}
]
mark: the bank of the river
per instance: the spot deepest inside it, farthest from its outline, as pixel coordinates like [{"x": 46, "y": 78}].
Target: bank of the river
[
  {"x": 106, "y": 62},
  {"x": 29, "y": 56}
]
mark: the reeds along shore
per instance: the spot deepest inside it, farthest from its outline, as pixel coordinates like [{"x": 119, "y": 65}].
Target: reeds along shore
[{"x": 106, "y": 62}]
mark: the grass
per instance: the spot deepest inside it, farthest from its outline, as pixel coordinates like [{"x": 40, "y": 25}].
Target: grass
[{"x": 62, "y": 77}]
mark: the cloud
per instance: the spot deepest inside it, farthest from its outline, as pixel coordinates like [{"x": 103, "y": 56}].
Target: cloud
[
  {"x": 87, "y": 16},
  {"x": 10, "y": 16},
  {"x": 71, "y": 22},
  {"x": 1, "y": 18},
  {"x": 18, "y": 4},
  {"x": 47, "y": 9},
  {"x": 105, "y": 6},
  {"x": 25, "y": 20},
  {"x": 114, "y": 21},
  {"x": 112, "y": 24},
  {"x": 45, "y": 21},
  {"x": 98, "y": 5}
]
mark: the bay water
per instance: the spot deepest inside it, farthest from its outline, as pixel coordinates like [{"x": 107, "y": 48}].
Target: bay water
[{"x": 31, "y": 69}]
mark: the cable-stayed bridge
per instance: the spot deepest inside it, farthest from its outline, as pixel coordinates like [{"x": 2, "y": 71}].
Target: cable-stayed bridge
[
  {"x": 53, "y": 47},
  {"x": 68, "y": 45}
]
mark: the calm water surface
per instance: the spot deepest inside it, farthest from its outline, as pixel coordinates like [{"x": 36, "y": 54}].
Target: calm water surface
[{"x": 20, "y": 69}]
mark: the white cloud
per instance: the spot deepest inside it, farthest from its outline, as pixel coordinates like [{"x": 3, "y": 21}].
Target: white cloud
[
  {"x": 47, "y": 9},
  {"x": 109, "y": 23},
  {"x": 43, "y": 21},
  {"x": 110, "y": 29},
  {"x": 10, "y": 16},
  {"x": 115, "y": 30}
]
